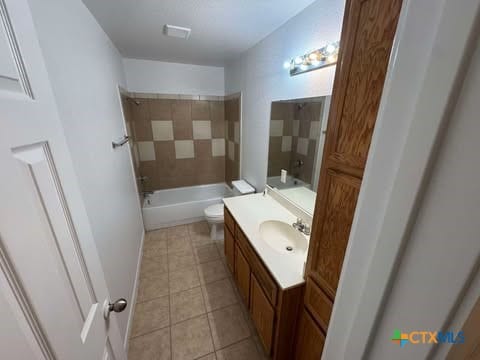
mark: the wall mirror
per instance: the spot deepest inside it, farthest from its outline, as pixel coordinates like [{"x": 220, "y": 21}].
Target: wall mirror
[{"x": 297, "y": 136}]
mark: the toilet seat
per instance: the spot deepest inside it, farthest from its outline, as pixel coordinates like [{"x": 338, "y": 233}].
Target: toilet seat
[{"x": 214, "y": 212}]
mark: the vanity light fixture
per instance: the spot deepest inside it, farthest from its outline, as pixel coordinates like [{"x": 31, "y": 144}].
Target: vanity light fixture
[{"x": 314, "y": 60}]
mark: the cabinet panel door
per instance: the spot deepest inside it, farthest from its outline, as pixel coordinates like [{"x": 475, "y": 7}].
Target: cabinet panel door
[
  {"x": 228, "y": 220},
  {"x": 310, "y": 339},
  {"x": 242, "y": 275},
  {"x": 229, "y": 249},
  {"x": 318, "y": 303},
  {"x": 367, "y": 36},
  {"x": 264, "y": 278},
  {"x": 263, "y": 314}
]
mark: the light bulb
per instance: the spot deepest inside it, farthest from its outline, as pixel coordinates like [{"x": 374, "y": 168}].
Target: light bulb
[
  {"x": 298, "y": 60},
  {"x": 303, "y": 67},
  {"x": 286, "y": 65},
  {"x": 330, "y": 48},
  {"x": 313, "y": 56},
  {"x": 331, "y": 58}
]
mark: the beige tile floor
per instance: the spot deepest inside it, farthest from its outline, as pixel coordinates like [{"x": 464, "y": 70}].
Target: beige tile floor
[{"x": 187, "y": 304}]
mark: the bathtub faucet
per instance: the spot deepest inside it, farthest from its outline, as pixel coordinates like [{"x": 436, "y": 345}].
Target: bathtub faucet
[{"x": 147, "y": 193}]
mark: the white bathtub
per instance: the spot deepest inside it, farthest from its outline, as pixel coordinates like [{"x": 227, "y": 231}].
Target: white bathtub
[{"x": 183, "y": 205}]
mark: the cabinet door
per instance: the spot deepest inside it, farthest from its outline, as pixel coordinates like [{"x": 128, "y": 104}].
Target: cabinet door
[
  {"x": 242, "y": 275},
  {"x": 263, "y": 314},
  {"x": 229, "y": 249},
  {"x": 367, "y": 36},
  {"x": 310, "y": 339}
]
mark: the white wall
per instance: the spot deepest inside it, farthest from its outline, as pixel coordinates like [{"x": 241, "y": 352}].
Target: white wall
[
  {"x": 260, "y": 76},
  {"x": 443, "y": 247},
  {"x": 85, "y": 70},
  {"x": 417, "y": 201},
  {"x": 173, "y": 78}
]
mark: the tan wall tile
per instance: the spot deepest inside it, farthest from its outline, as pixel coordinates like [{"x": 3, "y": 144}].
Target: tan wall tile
[
  {"x": 200, "y": 110},
  {"x": 182, "y": 130},
  {"x": 231, "y": 130},
  {"x": 164, "y": 150},
  {"x": 160, "y": 109},
  {"x": 167, "y": 168},
  {"x": 203, "y": 149},
  {"x": 218, "y": 129},
  {"x": 182, "y": 110},
  {"x": 140, "y": 112},
  {"x": 185, "y": 167},
  {"x": 167, "y": 171},
  {"x": 149, "y": 169},
  {"x": 143, "y": 131},
  {"x": 217, "y": 110}
]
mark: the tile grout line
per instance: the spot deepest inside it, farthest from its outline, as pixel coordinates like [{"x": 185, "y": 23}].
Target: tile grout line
[
  {"x": 208, "y": 319},
  {"x": 231, "y": 282},
  {"x": 201, "y": 285}
]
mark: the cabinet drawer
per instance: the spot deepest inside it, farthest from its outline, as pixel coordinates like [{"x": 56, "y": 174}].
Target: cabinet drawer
[
  {"x": 229, "y": 247},
  {"x": 262, "y": 275},
  {"x": 318, "y": 304},
  {"x": 228, "y": 220},
  {"x": 242, "y": 275},
  {"x": 263, "y": 315}
]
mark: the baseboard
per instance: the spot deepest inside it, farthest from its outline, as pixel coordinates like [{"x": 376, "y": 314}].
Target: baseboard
[{"x": 134, "y": 295}]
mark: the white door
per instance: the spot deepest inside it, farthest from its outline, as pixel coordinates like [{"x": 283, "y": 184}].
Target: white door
[{"x": 52, "y": 287}]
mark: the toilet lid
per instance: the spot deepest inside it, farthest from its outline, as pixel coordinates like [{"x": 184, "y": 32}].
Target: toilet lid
[{"x": 214, "y": 211}]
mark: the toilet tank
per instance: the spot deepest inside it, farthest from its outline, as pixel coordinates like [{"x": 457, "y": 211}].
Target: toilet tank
[{"x": 241, "y": 187}]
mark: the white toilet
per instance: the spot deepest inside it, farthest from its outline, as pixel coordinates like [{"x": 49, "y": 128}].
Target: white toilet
[{"x": 214, "y": 213}]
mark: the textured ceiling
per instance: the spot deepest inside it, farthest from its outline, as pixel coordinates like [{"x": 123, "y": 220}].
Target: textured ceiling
[{"x": 221, "y": 29}]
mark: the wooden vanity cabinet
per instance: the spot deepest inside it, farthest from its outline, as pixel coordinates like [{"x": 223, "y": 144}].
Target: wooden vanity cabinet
[
  {"x": 229, "y": 241},
  {"x": 242, "y": 275},
  {"x": 263, "y": 314},
  {"x": 274, "y": 310}
]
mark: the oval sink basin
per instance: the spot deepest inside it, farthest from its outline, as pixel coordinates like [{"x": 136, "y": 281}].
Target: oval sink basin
[{"x": 282, "y": 237}]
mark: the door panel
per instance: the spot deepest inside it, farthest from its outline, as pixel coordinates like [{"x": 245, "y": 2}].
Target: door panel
[
  {"x": 13, "y": 75},
  {"x": 242, "y": 275},
  {"x": 370, "y": 36},
  {"x": 263, "y": 315},
  {"x": 229, "y": 244},
  {"x": 310, "y": 339},
  {"x": 318, "y": 304},
  {"x": 341, "y": 197},
  {"x": 50, "y": 273}
]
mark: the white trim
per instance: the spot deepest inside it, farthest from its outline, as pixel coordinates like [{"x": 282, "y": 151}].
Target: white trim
[
  {"x": 321, "y": 141},
  {"x": 417, "y": 96},
  {"x": 152, "y": 95},
  {"x": 133, "y": 297},
  {"x": 240, "y": 115},
  {"x": 121, "y": 91},
  {"x": 18, "y": 298},
  {"x": 15, "y": 49}
]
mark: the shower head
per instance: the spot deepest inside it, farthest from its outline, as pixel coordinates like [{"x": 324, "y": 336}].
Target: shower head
[{"x": 301, "y": 106}]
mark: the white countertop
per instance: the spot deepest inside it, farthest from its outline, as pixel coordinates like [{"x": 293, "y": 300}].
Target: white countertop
[{"x": 249, "y": 212}]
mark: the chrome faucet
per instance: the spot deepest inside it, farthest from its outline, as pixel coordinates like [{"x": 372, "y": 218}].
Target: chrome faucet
[
  {"x": 301, "y": 226},
  {"x": 147, "y": 193}
]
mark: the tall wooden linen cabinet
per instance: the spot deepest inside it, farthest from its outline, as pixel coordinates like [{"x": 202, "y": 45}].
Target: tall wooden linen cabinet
[{"x": 368, "y": 31}]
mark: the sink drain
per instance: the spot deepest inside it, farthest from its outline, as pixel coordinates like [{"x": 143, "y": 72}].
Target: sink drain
[{"x": 289, "y": 248}]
